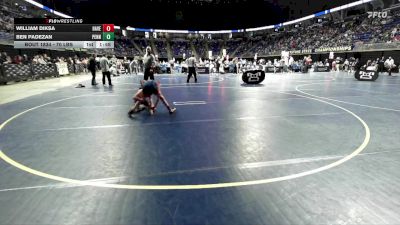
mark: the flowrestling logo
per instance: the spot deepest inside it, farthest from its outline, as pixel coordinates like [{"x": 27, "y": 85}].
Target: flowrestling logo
[{"x": 64, "y": 21}]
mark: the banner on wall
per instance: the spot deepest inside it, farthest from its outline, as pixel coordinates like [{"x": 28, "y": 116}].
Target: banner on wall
[
  {"x": 62, "y": 68},
  {"x": 334, "y": 49},
  {"x": 320, "y": 50}
]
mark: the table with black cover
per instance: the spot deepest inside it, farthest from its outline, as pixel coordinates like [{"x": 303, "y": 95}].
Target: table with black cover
[{"x": 321, "y": 69}]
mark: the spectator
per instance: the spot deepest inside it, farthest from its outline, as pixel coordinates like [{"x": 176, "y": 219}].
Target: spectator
[
  {"x": 41, "y": 60},
  {"x": 3, "y": 58},
  {"x": 25, "y": 59},
  {"x": 389, "y": 65},
  {"x": 17, "y": 59}
]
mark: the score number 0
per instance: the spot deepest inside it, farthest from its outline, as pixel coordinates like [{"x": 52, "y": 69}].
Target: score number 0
[
  {"x": 108, "y": 27},
  {"x": 108, "y": 32}
]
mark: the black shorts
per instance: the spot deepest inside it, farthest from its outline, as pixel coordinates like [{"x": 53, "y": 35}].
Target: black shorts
[{"x": 149, "y": 73}]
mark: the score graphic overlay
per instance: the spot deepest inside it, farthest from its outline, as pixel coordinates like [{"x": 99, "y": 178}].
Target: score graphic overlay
[{"x": 62, "y": 33}]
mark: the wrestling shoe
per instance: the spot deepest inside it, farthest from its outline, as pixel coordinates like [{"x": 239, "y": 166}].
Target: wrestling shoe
[{"x": 171, "y": 111}]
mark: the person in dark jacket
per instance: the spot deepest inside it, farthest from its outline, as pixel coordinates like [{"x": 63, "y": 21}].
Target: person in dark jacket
[
  {"x": 382, "y": 64},
  {"x": 92, "y": 68}
]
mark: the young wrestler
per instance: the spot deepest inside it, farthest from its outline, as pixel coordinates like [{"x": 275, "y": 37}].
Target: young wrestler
[{"x": 143, "y": 98}]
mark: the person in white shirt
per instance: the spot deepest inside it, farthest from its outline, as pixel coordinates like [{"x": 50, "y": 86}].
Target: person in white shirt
[
  {"x": 133, "y": 67},
  {"x": 172, "y": 64},
  {"x": 113, "y": 60},
  {"x": 41, "y": 60},
  {"x": 394, "y": 31},
  {"x": 346, "y": 65},
  {"x": 105, "y": 68},
  {"x": 389, "y": 64}
]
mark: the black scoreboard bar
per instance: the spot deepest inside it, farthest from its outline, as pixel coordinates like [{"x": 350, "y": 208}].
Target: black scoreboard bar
[{"x": 61, "y": 33}]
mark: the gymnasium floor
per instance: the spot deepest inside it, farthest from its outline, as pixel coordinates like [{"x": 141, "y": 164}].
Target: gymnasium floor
[{"x": 318, "y": 148}]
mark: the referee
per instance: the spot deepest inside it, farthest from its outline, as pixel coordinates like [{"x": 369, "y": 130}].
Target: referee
[
  {"x": 149, "y": 61},
  {"x": 191, "y": 62}
]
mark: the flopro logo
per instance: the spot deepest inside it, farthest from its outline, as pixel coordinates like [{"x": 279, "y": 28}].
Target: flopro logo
[
  {"x": 254, "y": 77},
  {"x": 366, "y": 75},
  {"x": 381, "y": 15}
]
